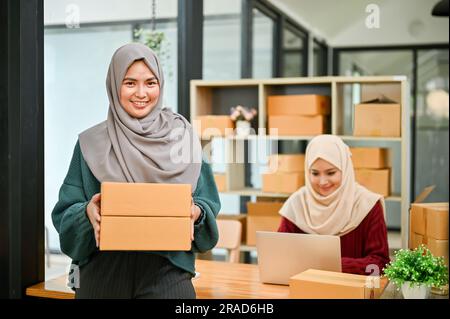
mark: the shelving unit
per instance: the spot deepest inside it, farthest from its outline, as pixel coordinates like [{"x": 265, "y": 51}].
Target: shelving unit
[{"x": 217, "y": 97}]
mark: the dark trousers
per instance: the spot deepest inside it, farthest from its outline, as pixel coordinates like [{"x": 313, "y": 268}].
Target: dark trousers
[{"x": 130, "y": 275}]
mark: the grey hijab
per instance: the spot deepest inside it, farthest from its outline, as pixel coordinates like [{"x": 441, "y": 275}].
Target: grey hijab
[{"x": 159, "y": 148}]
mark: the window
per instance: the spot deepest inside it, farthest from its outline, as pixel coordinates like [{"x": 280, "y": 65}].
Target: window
[
  {"x": 263, "y": 31},
  {"x": 320, "y": 59},
  {"x": 293, "y": 53}
]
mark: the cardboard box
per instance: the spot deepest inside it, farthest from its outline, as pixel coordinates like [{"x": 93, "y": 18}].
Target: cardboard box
[
  {"x": 264, "y": 208},
  {"x": 242, "y": 218},
  {"x": 291, "y": 125},
  {"x": 377, "y": 119},
  {"x": 145, "y": 216},
  {"x": 307, "y": 104},
  {"x": 429, "y": 225},
  {"x": 221, "y": 182},
  {"x": 145, "y": 233},
  {"x": 319, "y": 284},
  {"x": 429, "y": 220},
  {"x": 369, "y": 157},
  {"x": 208, "y": 126},
  {"x": 437, "y": 221},
  {"x": 145, "y": 199},
  {"x": 372, "y": 91},
  {"x": 282, "y": 182},
  {"x": 438, "y": 247},
  {"x": 260, "y": 223},
  {"x": 287, "y": 163},
  {"x": 375, "y": 180}
]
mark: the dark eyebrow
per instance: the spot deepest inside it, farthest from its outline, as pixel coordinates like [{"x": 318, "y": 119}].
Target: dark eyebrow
[
  {"x": 327, "y": 170},
  {"x": 131, "y": 79}
]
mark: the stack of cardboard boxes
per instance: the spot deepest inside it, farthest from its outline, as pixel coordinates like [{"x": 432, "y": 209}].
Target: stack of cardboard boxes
[
  {"x": 145, "y": 216},
  {"x": 371, "y": 169},
  {"x": 429, "y": 226},
  {"x": 292, "y": 115},
  {"x": 262, "y": 216},
  {"x": 286, "y": 173}
]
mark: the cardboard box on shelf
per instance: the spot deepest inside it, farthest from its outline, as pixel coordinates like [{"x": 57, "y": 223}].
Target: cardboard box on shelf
[
  {"x": 306, "y": 104},
  {"x": 221, "y": 182},
  {"x": 145, "y": 199},
  {"x": 260, "y": 223},
  {"x": 145, "y": 233},
  {"x": 319, "y": 284},
  {"x": 292, "y": 125},
  {"x": 242, "y": 218},
  {"x": 144, "y": 216},
  {"x": 287, "y": 163},
  {"x": 379, "y": 118},
  {"x": 264, "y": 208},
  {"x": 369, "y": 157},
  {"x": 208, "y": 126},
  {"x": 282, "y": 182},
  {"x": 372, "y": 91},
  {"x": 375, "y": 180}
]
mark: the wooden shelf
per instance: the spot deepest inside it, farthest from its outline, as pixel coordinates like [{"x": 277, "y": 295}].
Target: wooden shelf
[
  {"x": 257, "y": 192},
  {"x": 216, "y": 97},
  {"x": 305, "y": 138}
]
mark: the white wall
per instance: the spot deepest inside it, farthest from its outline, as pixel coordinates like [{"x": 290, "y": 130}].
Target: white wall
[{"x": 57, "y": 11}]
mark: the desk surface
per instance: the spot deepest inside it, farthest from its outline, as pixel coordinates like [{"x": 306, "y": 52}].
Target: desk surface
[{"x": 217, "y": 280}]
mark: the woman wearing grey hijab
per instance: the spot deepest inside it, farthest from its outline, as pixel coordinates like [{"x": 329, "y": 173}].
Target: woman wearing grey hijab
[{"x": 135, "y": 144}]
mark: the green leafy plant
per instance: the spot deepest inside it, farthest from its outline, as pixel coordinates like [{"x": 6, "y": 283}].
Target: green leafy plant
[
  {"x": 417, "y": 266},
  {"x": 158, "y": 42}
]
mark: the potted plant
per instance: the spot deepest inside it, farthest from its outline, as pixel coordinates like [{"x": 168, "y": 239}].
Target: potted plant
[
  {"x": 416, "y": 271},
  {"x": 242, "y": 116}
]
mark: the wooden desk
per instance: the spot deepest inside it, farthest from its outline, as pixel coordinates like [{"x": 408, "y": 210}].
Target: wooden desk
[{"x": 217, "y": 280}]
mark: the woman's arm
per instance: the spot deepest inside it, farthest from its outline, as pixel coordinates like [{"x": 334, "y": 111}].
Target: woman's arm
[
  {"x": 375, "y": 246},
  {"x": 76, "y": 234},
  {"x": 206, "y": 197}
]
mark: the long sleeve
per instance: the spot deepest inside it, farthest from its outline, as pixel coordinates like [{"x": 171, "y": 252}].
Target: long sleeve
[
  {"x": 206, "y": 197},
  {"x": 69, "y": 217},
  {"x": 374, "y": 250}
]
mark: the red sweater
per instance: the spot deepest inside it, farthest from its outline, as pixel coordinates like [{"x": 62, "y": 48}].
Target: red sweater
[{"x": 365, "y": 245}]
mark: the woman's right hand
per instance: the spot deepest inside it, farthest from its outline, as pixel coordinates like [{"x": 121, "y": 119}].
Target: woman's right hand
[{"x": 94, "y": 215}]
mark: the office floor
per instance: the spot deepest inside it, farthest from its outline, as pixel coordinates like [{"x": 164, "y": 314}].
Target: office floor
[{"x": 59, "y": 264}]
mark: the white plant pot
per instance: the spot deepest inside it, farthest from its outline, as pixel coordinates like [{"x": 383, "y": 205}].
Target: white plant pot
[
  {"x": 416, "y": 292},
  {"x": 243, "y": 128}
]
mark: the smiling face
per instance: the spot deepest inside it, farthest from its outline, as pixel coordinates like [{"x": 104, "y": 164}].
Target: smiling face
[
  {"x": 139, "y": 91},
  {"x": 325, "y": 178}
]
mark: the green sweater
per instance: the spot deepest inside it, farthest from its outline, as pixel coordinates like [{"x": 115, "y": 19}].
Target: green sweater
[{"x": 76, "y": 233}]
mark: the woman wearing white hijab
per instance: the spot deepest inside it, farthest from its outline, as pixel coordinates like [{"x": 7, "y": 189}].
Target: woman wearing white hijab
[
  {"x": 333, "y": 203},
  {"x": 135, "y": 144}
]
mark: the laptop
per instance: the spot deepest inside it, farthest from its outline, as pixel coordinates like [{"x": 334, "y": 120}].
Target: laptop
[{"x": 283, "y": 255}]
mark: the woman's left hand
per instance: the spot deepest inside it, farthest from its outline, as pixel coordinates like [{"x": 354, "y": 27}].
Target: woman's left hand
[{"x": 195, "y": 214}]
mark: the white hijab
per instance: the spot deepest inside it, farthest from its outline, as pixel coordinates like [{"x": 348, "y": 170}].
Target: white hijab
[{"x": 340, "y": 212}]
